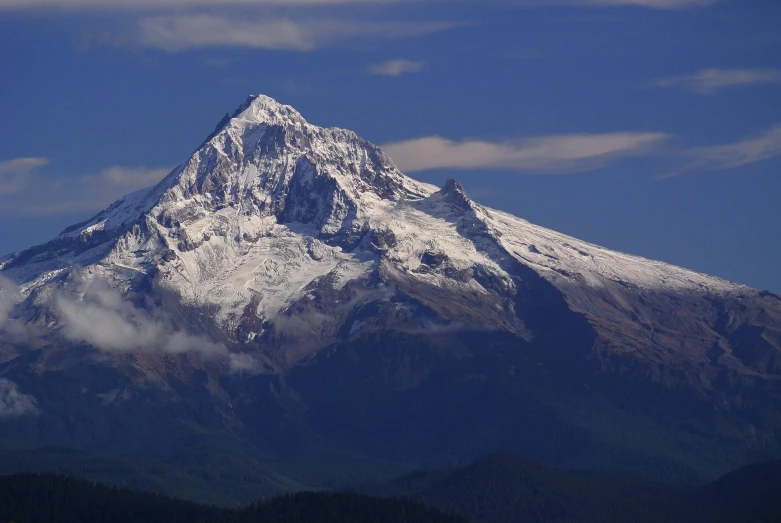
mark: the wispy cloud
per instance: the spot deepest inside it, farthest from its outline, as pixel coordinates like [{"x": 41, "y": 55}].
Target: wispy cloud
[
  {"x": 708, "y": 81},
  {"x": 104, "y": 319},
  {"x": 178, "y": 25},
  {"x": 52, "y": 194},
  {"x": 546, "y": 154},
  {"x": 13, "y": 402},
  {"x": 15, "y": 173},
  {"x": 396, "y": 67},
  {"x": 730, "y": 156},
  {"x": 159, "y": 5},
  {"x": 178, "y": 33},
  {"x": 650, "y": 4},
  {"x": 130, "y": 177}
]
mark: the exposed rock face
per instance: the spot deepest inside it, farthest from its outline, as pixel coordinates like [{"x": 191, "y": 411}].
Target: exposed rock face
[{"x": 316, "y": 294}]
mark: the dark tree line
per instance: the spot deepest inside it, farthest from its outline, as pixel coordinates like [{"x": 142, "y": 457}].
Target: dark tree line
[{"x": 33, "y": 498}]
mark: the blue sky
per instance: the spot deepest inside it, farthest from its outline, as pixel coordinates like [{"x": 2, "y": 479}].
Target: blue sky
[{"x": 647, "y": 126}]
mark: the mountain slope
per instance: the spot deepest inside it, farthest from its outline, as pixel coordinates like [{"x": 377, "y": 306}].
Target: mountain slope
[
  {"x": 208, "y": 476},
  {"x": 287, "y": 287},
  {"x": 215, "y": 476},
  {"x": 500, "y": 488},
  {"x": 505, "y": 488},
  {"x": 68, "y": 500}
]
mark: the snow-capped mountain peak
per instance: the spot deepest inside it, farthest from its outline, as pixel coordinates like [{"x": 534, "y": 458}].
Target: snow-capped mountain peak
[
  {"x": 272, "y": 211},
  {"x": 264, "y": 109},
  {"x": 302, "y": 253}
]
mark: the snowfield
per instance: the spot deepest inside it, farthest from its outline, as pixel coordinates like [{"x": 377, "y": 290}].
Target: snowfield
[{"x": 271, "y": 206}]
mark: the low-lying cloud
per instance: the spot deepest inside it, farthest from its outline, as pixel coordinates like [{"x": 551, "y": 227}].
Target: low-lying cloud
[
  {"x": 396, "y": 67},
  {"x": 709, "y": 81},
  {"x": 546, "y": 154},
  {"x": 104, "y": 319},
  {"x": 13, "y": 402}
]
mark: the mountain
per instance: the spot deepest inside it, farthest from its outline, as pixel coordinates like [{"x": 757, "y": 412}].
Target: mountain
[
  {"x": 286, "y": 291},
  {"x": 505, "y": 488},
  {"x": 214, "y": 476},
  {"x": 221, "y": 479},
  {"x": 69, "y": 500}
]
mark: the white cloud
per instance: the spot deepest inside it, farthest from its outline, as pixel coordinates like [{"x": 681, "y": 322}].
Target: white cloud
[
  {"x": 178, "y": 33},
  {"x": 178, "y": 4},
  {"x": 21, "y": 165},
  {"x": 104, "y": 319},
  {"x": 396, "y": 67},
  {"x": 132, "y": 177},
  {"x": 244, "y": 363},
  {"x": 14, "y": 403},
  {"x": 708, "y": 81},
  {"x": 159, "y": 5},
  {"x": 651, "y": 4},
  {"x": 15, "y": 173},
  {"x": 546, "y": 154},
  {"x": 91, "y": 192},
  {"x": 729, "y": 156}
]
